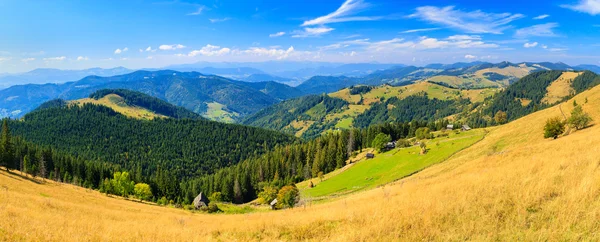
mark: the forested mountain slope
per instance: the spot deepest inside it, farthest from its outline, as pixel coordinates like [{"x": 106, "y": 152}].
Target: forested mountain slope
[
  {"x": 181, "y": 147},
  {"x": 213, "y": 97},
  {"x": 362, "y": 106}
]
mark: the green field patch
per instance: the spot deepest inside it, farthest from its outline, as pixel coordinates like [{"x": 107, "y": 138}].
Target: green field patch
[
  {"x": 392, "y": 165},
  {"x": 218, "y": 112}
]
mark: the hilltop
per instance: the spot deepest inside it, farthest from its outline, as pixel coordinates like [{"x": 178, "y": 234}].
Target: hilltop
[
  {"x": 362, "y": 106},
  {"x": 514, "y": 183}
]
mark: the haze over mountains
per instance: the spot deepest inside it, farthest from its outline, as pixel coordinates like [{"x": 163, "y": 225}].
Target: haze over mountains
[{"x": 215, "y": 92}]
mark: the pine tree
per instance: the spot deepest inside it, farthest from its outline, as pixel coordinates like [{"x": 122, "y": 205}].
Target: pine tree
[
  {"x": 237, "y": 192},
  {"x": 6, "y": 147}
]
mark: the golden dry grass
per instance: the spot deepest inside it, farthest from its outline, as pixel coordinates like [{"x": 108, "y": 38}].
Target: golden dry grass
[
  {"x": 517, "y": 72},
  {"x": 560, "y": 88},
  {"x": 118, "y": 104},
  {"x": 511, "y": 186}
]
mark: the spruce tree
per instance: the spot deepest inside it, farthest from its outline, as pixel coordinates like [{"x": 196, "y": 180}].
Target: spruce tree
[{"x": 6, "y": 147}]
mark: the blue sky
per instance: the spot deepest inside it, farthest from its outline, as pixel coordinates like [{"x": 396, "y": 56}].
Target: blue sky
[{"x": 70, "y": 34}]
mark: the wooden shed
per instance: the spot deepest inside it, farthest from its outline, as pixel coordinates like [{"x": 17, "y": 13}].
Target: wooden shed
[
  {"x": 201, "y": 201},
  {"x": 370, "y": 155},
  {"x": 273, "y": 204}
]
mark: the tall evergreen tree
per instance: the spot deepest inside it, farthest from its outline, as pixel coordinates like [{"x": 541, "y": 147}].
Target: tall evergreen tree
[{"x": 6, "y": 147}]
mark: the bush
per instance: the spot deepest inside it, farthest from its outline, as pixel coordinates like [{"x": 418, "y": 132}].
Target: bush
[
  {"x": 267, "y": 195},
  {"x": 403, "y": 143},
  {"x": 213, "y": 208},
  {"x": 380, "y": 140},
  {"x": 288, "y": 196},
  {"x": 216, "y": 197},
  {"x": 554, "y": 127},
  {"x": 579, "y": 119},
  {"x": 142, "y": 191},
  {"x": 423, "y": 133}
]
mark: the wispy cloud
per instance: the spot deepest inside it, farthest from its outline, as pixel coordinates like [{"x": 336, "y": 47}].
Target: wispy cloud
[
  {"x": 311, "y": 32},
  {"x": 58, "y": 58},
  {"x": 470, "y": 22},
  {"x": 585, "y": 6},
  {"x": 541, "y": 17},
  {"x": 82, "y": 58},
  {"x": 27, "y": 60},
  {"x": 344, "y": 13},
  {"x": 539, "y": 30},
  {"x": 3, "y": 59},
  {"x": 119, "y": 51},
  {"x": 149, "y": 49},
  {"x": 419, "y": 30},
  {"x": 198, "y": 11},
  {"x": 210, "y": 50},
  {"x": 278, "y": 34},
  {"x": 530, "y": 45},
  {"x": 421, "y": 43},
  {"x": 217, "y": 20},
  {"x": 470, "y": 57},
  {"x": 171, "y": 47}
]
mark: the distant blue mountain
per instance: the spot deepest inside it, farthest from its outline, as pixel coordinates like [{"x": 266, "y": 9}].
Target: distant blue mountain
[{"x": 45, "y": 75}]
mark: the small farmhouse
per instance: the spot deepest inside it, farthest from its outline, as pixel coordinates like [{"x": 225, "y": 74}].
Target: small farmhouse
[
  {"x": 450, "y": 126},
  {"x": 390, "y": 145},
  {"x": 370, "y": 155},
  {"x": 201, "y": 201},
  {"x": 466, "y": 128},
  {"x": 273, "y": 203}
]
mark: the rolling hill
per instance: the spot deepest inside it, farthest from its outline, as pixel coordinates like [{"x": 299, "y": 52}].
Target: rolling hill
[
  {"x": 517, "y": 185},
  {"x": 213, "y": 97},
  {"x": 133, "y": 104},
  {"x": 311, "y": 115}
]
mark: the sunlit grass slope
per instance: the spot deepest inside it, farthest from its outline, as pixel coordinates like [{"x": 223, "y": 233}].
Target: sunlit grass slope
[
  {"x": 392, "y": 165},
  {"x": 514, "y": 185},
  {"x": 118, "y": 104}
]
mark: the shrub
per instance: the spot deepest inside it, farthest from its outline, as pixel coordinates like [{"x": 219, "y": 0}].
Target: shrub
[
  {"x": 500, "y": 117},
  {"x": 142, "y": 191},
  {"x": 423, "y": 133},
  {"x": 267, "y": 195},
  {"x": 554, "y": 127},
  {"x": 288, "y": 196},
  {"x": 213, "y": 208},
  {"x": 380, "y": 140},
  {"x": 579, "y": 119},
  {"x": 216, "y": 197}
]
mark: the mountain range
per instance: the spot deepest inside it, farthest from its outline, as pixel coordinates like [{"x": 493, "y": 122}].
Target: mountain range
[{"x": 47, "y": 75}]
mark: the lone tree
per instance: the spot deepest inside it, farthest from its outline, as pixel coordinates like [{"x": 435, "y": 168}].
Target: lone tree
[
  {"x": 142, "y": 191},
  {"x": 579, "y": 119},
  {"x": 6, "y": 147},
  {"x": 500, "y": 117},
  {"x": 288, "y": 196},
  {"x": 554, "y": 127},
  {"x": 380, "y": 140},
  {"x": 423, "y": 133},
  {"x": 423, "y": 148}
]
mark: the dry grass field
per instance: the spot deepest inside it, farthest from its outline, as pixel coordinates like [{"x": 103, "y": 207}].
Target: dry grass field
[
  {"x": 511, "y": 186},
  {"x": 560, "y": 88},
  {"x": 118, "y": 104}
]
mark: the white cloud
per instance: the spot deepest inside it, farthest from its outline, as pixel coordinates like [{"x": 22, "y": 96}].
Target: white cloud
[
  {"x": 3, "y": 59},
  {"x": 82, "y": 58},
  {"x": 119, "y": 51},
  {"x": 198, "y": 11},
  {"x": 544, "y": 47},
  {"x": 343, "y": 14},
  {"x": 557, "y": 49},
  {"x": 149, "y": 49},
  {"x": 530, "y": 45},
  {"x": 59, "y": 58},
  {"x": 170, "y": 47},
  {"x": 149, "y": 57},
  {"x": 540, "y": 30},
  {"x": 217, "y": 20},
  {"x": 464, "y": 37},
  {"x": 277, "y": 53},
  {"x": 470, "y": 57},
  {"x": 278, "y": 34},
  {"x": 26, "y": 60},
  {"x": 419, "y": 30},
  {"x": 585, "y": 6},
  {"x": 312, "y": 32},
  {"x": 470, "y": 22},
  {"x": 543, "y": 16},
  {"x": 210, "y": 50}
]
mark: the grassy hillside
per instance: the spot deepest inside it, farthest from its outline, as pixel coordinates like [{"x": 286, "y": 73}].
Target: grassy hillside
[
  {"x": 390, "y": 166},
  {"x": 305, "y": 116},
  {"x": 118, "y": 104},
  {"x": 515, "y": 185}
]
